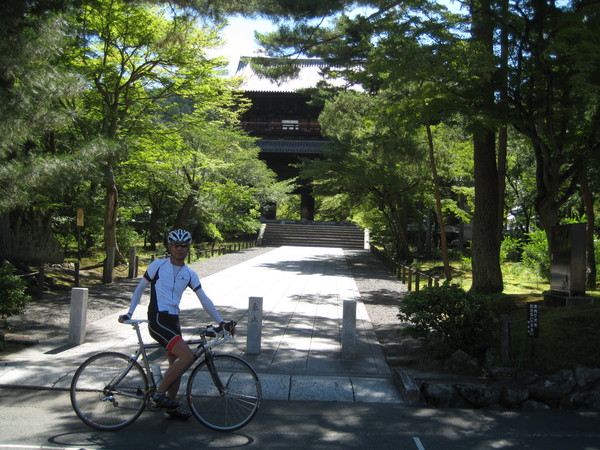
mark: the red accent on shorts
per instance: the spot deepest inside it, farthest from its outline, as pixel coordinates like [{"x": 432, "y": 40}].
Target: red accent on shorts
[{"x": 172, "y": 343}]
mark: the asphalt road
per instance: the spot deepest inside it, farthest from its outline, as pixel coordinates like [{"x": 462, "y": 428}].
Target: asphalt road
[{"x": 43, "y": 419}]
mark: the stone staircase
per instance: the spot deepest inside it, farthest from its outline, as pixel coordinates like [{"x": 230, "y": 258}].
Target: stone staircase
[{"x": 276, "y": 234}]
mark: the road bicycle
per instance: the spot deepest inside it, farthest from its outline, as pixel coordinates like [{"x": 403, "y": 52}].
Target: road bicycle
[{"x": 110, "y": 390}]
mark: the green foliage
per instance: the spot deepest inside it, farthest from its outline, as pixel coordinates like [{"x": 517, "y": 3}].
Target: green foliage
[
  {"x": 127, "y": 237},
  {"x": 375, "y": 166},
  {"x": 289, "y": 209},
  {"x": 447, "y": 318},
  {"x": 510, "y": 249},
  {"x": 536, "y": 254},
  {"x": 123, "y": 97},
  {"x": 12, "y": 292},
  {"x": 568, "y": 337}
]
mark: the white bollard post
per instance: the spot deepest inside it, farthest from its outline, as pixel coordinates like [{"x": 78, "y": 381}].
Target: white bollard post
[
  {"x": 253, "y": 338},
  {"x": 349, "y": 330},
  {"x": 78, "y": 318}
]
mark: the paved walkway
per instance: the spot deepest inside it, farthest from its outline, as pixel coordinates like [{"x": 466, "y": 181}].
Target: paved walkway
[{"x": 303, "y": 291}]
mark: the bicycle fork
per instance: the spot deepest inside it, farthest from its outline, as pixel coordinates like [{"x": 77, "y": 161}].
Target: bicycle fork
[{"x": 210, "y": 363}]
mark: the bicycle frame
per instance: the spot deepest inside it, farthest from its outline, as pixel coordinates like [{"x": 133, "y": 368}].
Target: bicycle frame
[
  {"x": 204, "y": 349},
  {"x": 110, "y": 390}
]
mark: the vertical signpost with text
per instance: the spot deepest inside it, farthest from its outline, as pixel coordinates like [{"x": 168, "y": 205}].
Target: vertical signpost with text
[{"x": 533, "y": 323}]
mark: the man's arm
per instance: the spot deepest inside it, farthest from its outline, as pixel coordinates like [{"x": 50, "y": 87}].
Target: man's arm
[
  {"x": 135, "y": 299},
  {"x": 208, "y": 305}
]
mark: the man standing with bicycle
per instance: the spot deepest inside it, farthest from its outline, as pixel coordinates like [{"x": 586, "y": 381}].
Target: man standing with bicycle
[{"x": 168, "y": 279}]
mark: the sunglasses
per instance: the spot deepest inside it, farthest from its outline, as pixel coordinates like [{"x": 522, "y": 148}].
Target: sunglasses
[{"x": 180, "y": 245}]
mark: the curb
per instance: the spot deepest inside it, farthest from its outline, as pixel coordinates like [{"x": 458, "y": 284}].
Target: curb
[{"x": 409, "y": 390}]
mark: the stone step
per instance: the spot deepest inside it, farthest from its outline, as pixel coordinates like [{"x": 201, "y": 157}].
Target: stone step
[{"x": 314, "y": 235}]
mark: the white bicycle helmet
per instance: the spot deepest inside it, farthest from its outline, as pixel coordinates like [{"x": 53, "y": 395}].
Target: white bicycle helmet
[{"x": 180, "y": 236}]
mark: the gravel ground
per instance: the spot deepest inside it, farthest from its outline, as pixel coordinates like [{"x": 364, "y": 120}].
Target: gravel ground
[{"x": 380, "y": 291}]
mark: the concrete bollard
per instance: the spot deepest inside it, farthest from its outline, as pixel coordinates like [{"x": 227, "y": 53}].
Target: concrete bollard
[
  {"x": 78, "y": 318},
  {"x": 349, "y": 330},
  {"x": 254, "y": 336}
]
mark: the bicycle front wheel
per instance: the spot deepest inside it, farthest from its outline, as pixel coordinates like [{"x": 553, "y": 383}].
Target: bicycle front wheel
[
  {"x": 226, "y": 399},
  {"x": 108, "y": 391}
]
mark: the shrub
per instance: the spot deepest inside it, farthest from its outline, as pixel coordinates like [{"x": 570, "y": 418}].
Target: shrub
[
  {"x": 12, "y": 292},
  {"x": 536, "y": 255},
  {"x": 510, "y": 249},
  {"x": 446, "y": 319}
]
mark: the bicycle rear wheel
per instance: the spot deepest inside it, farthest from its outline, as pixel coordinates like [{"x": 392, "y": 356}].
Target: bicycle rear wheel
[
  {"x": 234, "y": 404},
  {"x": 108, "y": 391}
]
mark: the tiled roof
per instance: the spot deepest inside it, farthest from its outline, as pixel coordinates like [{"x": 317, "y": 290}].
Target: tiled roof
[
  {"x": 310, "y": 74},
  {"x": 290, "y": 146}
]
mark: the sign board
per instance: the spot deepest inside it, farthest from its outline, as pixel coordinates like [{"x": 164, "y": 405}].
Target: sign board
[
  {"x": 79, "y": 217},
  {"x": 533, "y": 319}
]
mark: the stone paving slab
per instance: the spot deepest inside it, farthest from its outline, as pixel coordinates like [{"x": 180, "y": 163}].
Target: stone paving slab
[{"x": 303, "y": 290}]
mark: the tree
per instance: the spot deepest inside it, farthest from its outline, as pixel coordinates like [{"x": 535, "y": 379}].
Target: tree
[
  {"x": 32, "y": 84},
  {"x": 373, "y": 162},
  {"x": 420, "y": 27},
  {"x": 438, "y": 201},
  {"x": 553, "y": 93},
  {"x": 143, "y": 82},
  {"x": 135, "y": 56},
  {"x": 485, "y": 252}
]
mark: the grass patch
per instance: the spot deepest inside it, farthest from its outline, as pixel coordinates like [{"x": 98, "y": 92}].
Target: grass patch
[{"x": 568, "y": 336}]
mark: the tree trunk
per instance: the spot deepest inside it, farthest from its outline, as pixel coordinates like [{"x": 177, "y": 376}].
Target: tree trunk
[
  {"x": 502, "y": 149},
  {"x": 485, "y": 252},
  {"x": 503, "y": 132},
  {"x": 183, "y": 215},
  {"x": 588, "y": 202},
  {"x": 110, "y": 227},
  {"x": 547, "y": 186},
  {"x": 438, "y": 205}
]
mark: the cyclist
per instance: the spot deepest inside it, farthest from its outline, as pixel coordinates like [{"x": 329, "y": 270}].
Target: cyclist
[{"x": 168, "y": 279}]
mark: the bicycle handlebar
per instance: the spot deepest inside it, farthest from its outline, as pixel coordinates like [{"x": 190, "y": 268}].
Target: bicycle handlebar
[{"x": 208, "y": 330}]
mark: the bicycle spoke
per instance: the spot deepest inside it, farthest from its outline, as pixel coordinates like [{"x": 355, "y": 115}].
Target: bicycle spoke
[
  {"x": 112, "y": 405},
  {"x": 235, "y": 405}
]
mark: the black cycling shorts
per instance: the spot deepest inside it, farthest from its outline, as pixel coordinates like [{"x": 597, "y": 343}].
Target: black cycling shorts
[{"x": 164, "y": 328}]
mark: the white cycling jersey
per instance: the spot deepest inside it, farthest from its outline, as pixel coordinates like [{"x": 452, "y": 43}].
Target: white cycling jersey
[{"x": 168, "y": 282}]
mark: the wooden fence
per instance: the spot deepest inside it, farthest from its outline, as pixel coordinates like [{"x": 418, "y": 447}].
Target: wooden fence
[
  {"x": 411, "y": 277},
  {"x": 134, "y": 263}
]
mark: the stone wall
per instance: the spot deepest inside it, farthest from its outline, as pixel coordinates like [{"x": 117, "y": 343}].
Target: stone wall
[
  {"x": 26, "y": 236},
  {"x": 577, "y": 388}
]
